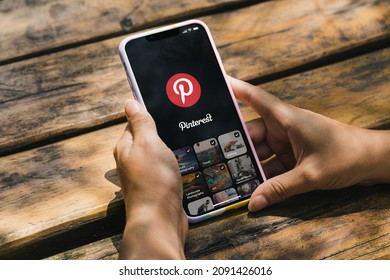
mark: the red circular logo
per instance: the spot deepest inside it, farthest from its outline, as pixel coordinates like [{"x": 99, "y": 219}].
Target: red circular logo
[{"x": 183, "y": 90}]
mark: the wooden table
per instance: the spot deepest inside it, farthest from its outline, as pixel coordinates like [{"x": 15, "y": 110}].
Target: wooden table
[{"x": 62, "y": 93}]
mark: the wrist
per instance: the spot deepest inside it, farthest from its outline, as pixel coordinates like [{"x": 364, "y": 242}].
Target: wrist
[
  {"x": 376, "y": 156},
  {"x": 150, "y": 234}
]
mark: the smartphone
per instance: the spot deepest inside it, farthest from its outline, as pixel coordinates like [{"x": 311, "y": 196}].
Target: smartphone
[{"x": 177, "y": 74}]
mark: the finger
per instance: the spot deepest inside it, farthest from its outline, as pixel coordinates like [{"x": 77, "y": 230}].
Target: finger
[
  {"x": 283, "y": 150},
  {"x": 273, "y": 167},
  {"x": 141, "y": 123},
  {"x": 257, "y": 130},
  {"x": 258, "y": 99},
  {"x": 277, "y": 189},
  {"x": 263, "y": 151},
  {"x": 140, "y": 127},
  {"x": 125, "y": 141}
]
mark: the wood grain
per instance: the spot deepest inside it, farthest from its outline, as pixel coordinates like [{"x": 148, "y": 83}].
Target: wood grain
[
  {"x": 293, "y": 33},
  {"x": 345, "y": 224},
  {"x": 80, "y": 88},
  {"x": 31, "y": 26},
  {"x": 56, "y": 187},
  {"x": 51, "y": 189},
  {"x": 105, "y": 249},
  {"x": 340, "y": 91},
  {"x": 328, "y": 225},
  {"x": 335, "y": 91}
]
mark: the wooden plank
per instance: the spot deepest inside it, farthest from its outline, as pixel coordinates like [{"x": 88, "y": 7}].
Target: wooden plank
[
  {"x": 336, "y": 90},
  {"x": 55, "y": 187},
  {"x": 84, "y": 87},
  {"x": 344, "y": 224},
  {"x": 46, "y": 190},
  {"x": 105, "y": 249},
  {"x": 32, "y": 26},
  {"x": 328, "y": 226},
  {"x": 279, "y": 35}
]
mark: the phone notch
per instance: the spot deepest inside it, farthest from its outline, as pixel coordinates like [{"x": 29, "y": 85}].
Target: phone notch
[{"x": 162, "y": 35}]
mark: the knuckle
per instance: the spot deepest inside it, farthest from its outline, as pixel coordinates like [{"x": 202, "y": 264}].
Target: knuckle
[
  {"x": 311, "y": 175},
  {"x": 148, "y": 143},
  {"x": 279, "y": 190},
  {"x": 115, "y": 152},
  {"x": 278, "y": 111},
  {"x": 119, "y": 148},
  {"x": 138, "y": 121},
  {"x": 141, "y": 120}
]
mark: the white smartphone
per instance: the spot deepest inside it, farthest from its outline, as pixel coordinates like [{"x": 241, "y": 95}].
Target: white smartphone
[{"x": 177, "y": 74}]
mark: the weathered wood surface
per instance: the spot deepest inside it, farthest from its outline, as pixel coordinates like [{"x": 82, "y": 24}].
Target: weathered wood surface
[
  {"x": 52, "y": 189},
  {"x": 105, "y": 249},
  {"x": 345, "y": 224},
  {"x": 337, "y": 90},
  {"x": 84, "y": 87},
  {"x": 62, "y": 23}
]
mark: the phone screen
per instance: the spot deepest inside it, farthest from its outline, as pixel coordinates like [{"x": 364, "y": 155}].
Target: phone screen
[{"x": 184, "y": 89}]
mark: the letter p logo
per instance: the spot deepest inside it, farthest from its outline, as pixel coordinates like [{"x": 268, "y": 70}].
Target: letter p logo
[{"x": 183, "y": 90}]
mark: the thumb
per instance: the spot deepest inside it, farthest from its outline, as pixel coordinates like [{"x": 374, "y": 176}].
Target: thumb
[
  {"x": 258, "y": 99},
  {"x": 277, "y": 189},
  {"x": 140, "y": 121}
]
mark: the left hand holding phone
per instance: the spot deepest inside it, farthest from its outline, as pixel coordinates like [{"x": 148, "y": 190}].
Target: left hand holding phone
[{"x": 156, "y": 224}]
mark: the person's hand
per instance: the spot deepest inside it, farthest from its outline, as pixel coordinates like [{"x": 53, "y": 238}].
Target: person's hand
[
  {"x": 303, "y": 151},
  {"x": 156, "y": 224}
]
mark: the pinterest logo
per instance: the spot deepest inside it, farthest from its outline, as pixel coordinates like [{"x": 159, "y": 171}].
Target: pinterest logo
[{"x": 183, "y": 90}]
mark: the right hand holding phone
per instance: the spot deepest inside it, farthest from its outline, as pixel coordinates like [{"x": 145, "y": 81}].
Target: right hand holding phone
[{"x": 303, "y": 151}]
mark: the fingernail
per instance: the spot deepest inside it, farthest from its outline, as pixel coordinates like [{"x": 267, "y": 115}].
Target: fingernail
[
  {"x": 132, "y": 107},
  {"x": 257, "y": 203}
]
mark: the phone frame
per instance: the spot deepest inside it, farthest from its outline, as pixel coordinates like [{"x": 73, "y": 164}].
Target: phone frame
[{"x": 138, "y": 96}]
